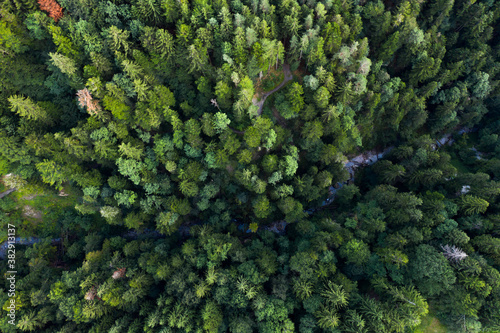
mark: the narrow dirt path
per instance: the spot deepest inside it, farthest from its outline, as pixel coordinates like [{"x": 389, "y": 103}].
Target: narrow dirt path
[
  {"x": 288, "y": 77},
  {"x": 3, "y": 194},
  {"x": 236, "y": 131},
  {"x": 260, "y": 104}
]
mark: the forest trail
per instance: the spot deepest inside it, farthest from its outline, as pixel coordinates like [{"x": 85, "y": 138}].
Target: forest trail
[
  {"x": 9, "y": 191},
  {"x": 236, "y": 131},
  {"x": 288, "y": 77}
]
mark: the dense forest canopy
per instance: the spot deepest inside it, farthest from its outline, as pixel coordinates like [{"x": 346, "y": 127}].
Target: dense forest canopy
[{"x": 160, "y": 139}]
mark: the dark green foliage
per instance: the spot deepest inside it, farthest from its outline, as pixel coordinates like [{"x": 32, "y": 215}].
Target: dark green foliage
[{"x": 186, "y": 154}]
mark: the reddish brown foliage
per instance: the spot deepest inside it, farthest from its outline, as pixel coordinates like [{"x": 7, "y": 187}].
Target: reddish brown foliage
[
  {"x": 85, "y": 100},
  {"x": 119, "y": 273},
  {"x": 91, "y": 294},
  {"x": 52, "y": 7}
]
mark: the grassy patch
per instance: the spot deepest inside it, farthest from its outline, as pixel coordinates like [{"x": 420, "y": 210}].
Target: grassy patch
[
  {"x": 36, "y": 208},
  {"x": 461, "y": 168},
  {"x": 271, "y": 80},
  {"x": 430, "y": 324}
]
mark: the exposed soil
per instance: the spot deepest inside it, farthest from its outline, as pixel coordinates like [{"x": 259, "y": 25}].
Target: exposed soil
[
  {"x": 3, "y": 194},
  {"x": 29, "y": 211},
  {"x": 63, "y": 194}
]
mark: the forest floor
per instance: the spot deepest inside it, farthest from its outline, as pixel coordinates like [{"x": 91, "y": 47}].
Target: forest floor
[
  {"x": 472, "y": 141},
  {"x": 462, "y": 168},
  {"x": 279, "y": 118},
  {"x": 260, "y": 100},
  {"x": 40, "y": 207},
  {"x": 268, "y": 82},
  {"x": 430, "y": 324}
]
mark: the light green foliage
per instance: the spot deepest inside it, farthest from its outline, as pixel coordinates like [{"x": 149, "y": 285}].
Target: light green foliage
[
  {"x": 311, "y": 82},
  {"x": 117, "y": 39},
  {"x": 327, "y": 318},
  {"x": 289, "y": 166},
  {"x": 25, "y": 107},
  {"x": 270, "y": 139},
  {"x": 223, "y": 93},
  {"x": 296, "y": 100},
  {"x": 51, "y": 173},
  {"x": 125, "y": 198},
  {"x": 392, "y": 256},
  {"x": 261, "y": 207},
  {"x": 109, "y": 212},
  {"x": 312, "y": 130},
  {"x": 324, "y": 179},
  {"x": 355, "y": 251},
  {"x": 270, "y": 163},
  {"x": 303, "y": 289},
  {"x": 212, "y": 317},
  {"x": 130, "y": 168},
  {"x": 14, "y": 181},
  {"x": 130, "y": 150},
  {"x": 488, "y": 244},
  {"x": 479, "y": 84},
  {"x": 166, "y": 221},
  {"x": 252, "y": 137},
  {"x": 322, "y": 97},
  {"x": 473, "y": 205},
  {"x": 66, "y": 65},
  {"x": 189, "y": 189},
  {"x": 11, "y": 39},
  {"x": 275, "y": 177},
  {"x": 220, "y": 122}
]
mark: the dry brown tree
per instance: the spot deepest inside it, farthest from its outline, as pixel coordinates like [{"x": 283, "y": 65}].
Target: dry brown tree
[
  {"x": 119, "y": 273},
  {"x": 86, "y": 100},
  {"x": 52, "y": 7}
]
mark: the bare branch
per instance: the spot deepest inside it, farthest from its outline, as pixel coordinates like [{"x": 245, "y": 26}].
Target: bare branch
[{"x": 453, "y": 253}]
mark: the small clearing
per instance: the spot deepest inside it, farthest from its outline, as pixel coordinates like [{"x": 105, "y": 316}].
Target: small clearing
[
  {"x": 31, "y": 212},
  {"x": 430, "y": 324},
  {"x": 260, "y": 102}
]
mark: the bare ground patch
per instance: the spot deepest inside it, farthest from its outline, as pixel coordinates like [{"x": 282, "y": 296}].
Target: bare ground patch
[
  {"x": 31, "y": 212},
  {"x": 230, "y": 168}
]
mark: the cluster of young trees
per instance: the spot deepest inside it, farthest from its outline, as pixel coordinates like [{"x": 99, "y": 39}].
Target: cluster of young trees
[{"x": 151, "y": 108}]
